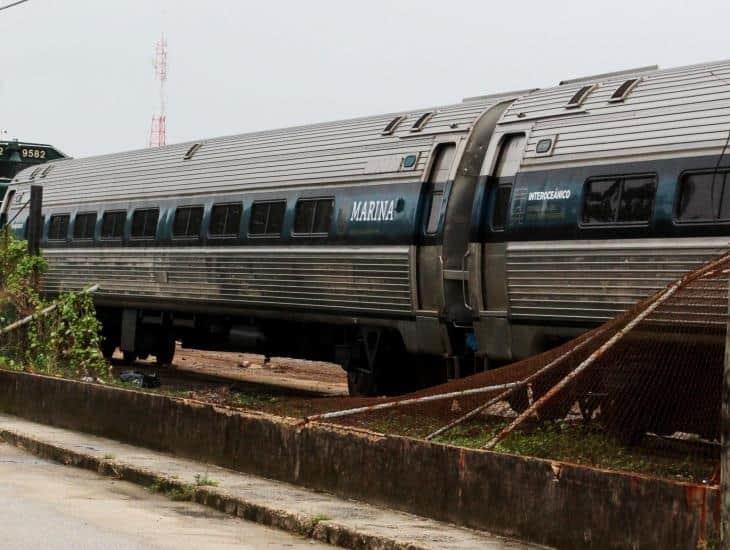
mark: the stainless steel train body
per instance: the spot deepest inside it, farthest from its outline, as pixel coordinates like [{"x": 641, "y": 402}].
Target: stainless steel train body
[
  {"x": 557, "y": 264},
  {"x": 485, "y": 230}
]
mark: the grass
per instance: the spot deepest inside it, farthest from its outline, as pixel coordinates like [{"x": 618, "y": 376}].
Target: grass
[
  {"x": 184, "y": 492},
  {"x": 319, "y": 518},
  {"x": 582, "y": 444},
  {"x": 204, "y": 480}
]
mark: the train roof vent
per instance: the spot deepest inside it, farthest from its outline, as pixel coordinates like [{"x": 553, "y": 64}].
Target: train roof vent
[
  {"x": 624, "y": 90},
  {"x": 392, "y": 125},
  {"x": 421, "y": 121},
  {"x": 47, "y": 170},
  {"x": 193, "y": 149},
  {"x": 580, "y": 96}
]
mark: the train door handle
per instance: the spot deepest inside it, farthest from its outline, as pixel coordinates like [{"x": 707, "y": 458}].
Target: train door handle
[{"x": 464, "y": 278}]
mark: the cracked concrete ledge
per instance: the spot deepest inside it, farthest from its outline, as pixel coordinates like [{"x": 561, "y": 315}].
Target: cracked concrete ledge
[{"x": 338, "y": 521}]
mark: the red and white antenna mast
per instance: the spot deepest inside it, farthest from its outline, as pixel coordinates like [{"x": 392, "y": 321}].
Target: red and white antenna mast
[{"x": 158, "y": 129}]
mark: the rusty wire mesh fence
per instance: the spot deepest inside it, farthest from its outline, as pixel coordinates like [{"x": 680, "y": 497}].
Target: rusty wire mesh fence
[{"x": 640, "y": 393}]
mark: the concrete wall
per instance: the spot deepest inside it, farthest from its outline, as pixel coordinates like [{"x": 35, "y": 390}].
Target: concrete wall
[{"x": 562, "y": 505}]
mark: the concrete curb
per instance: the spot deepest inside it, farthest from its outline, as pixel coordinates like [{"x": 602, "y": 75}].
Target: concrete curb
[{"x": 300, "y": 524}]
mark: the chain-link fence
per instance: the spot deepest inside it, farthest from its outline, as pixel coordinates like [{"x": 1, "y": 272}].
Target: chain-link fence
[{"x": 639, "y": 393}]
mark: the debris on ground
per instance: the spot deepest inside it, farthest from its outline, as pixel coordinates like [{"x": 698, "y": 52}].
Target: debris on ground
[{"x": 141, "y": 379}]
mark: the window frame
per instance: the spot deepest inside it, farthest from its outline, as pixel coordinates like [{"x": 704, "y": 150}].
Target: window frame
[
  {"x": 186, "y": 237},
  {"x": 678, "y": 193},
  {"x": 76, "y": 220},
  {"x": 620, "y": 179},
  {"x": 124, "y": 225},
  {"x": 235, "y": 235},
  {"x": 266, "y": 234},
  {"x": 134, "y": 237},
  {"x": 311, "y": 233},
  {"x": 499, "y": 186},
  {"x": 65, "y": 237}
]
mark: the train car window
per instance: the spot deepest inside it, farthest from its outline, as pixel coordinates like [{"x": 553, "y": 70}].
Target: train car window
[
  {"x": 619, "y": 200},
  {"x": 600, "y": 201},
  {"x": 440, "y": 171},
  {"x": 580, "y": 96},
  {"x": 725, "y": 198},
  {"x": 187, "y": 221},
  {"x": 313, "y": 216},
  {"x": 323, "y": 216},
  {"x": 58, "y": 227},
  {"x": 225, "y": 220},
  {"x": 703, "y": 197},
  {"x": 624, "y": 89},
  {"x": 637, "y": 200},
  {"x": 392, "y": 125},
  {"x": 434, "y": 212},
  {"x": 267, "y": 218},
  {"x": 112, "y": 224},
  {"x": 144, "y": 223},
  {"x": 510, "y": 156},
  {"x": 501, "y": 207},
  {"x": 84, "y": 225},
  {"x": 421, "y": 121}
]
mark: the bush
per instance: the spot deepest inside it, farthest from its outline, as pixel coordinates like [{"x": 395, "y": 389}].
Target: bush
[{"x": 63, "y": 341}]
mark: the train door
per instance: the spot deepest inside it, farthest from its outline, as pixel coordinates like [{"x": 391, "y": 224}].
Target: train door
[
  {"x": 430, "y": 295},
  {"x": 493, "y": 333}
]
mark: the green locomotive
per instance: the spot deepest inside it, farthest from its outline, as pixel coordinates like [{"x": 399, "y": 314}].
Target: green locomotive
[{"x": 17, "y": 155}]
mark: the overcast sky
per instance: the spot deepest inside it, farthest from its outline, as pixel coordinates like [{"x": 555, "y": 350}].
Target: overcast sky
[{"x": 79, "y": 74}]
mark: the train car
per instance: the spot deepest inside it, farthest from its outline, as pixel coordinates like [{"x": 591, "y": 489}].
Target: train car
[
  {"x": 18, "y": 155},
  {"x": 593, "y": 195},
  {"x": 340, "y": 241},
  {"x": 405, "y": 247}
]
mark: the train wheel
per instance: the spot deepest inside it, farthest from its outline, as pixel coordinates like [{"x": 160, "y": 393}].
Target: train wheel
[
  {"x": 129, "y": 357},
  {"x": 165, "y": 349},
  {"x": 107, "y": 348},
  {"x": 362, "y": 383}
]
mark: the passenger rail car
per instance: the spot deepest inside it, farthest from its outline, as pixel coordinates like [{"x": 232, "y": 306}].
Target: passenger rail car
[
  {"x": 399, "y": 243},
  {"x": 594, "y": 195},
  {"x": 335, "y": 241}
]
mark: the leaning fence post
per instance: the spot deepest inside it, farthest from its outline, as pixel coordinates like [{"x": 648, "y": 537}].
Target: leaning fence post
[{"x": 725, "y": 443}]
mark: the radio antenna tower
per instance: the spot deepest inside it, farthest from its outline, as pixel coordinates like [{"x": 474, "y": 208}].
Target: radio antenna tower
[{"x": 158, "y": 129}]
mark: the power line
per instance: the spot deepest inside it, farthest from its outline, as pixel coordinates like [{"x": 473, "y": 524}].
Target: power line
[{"x": 12, "y": 4}]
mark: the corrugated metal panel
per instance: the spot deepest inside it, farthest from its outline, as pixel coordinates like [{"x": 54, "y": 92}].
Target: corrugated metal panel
[
  {"x": 597, "y": 280},
  {"x": 671, "y": 110},
  {"x": 302, "y": 156},
  {"x": 356, "y": 280}
]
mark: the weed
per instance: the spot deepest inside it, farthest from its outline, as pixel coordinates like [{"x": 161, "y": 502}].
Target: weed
[
  {"x": 320, "y": 517},
  {"x": 180, "y": 493},
  {"x": 177, "y": 492},
  {"x": 204, "y": 480}
]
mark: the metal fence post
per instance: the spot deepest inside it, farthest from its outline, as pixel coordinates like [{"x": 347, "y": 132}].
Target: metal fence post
[
  {"x": 35, "y": 227},
  {"x": 725, "y": 444}
]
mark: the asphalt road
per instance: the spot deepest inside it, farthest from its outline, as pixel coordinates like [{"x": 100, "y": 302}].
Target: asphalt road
[{"x": 48, "y": 506}]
